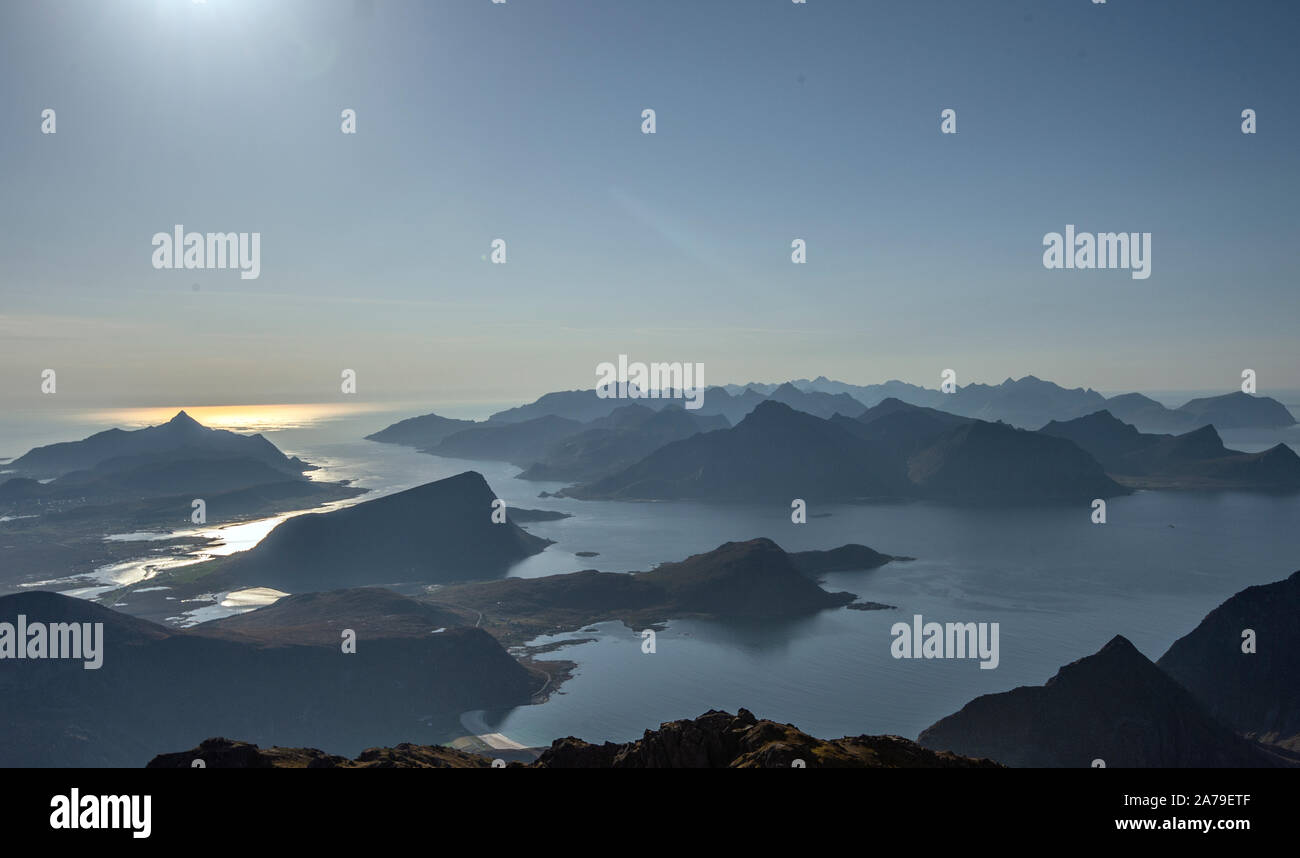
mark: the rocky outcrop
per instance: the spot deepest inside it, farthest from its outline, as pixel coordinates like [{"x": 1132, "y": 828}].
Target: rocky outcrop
[{"x": 715, "y": 740}]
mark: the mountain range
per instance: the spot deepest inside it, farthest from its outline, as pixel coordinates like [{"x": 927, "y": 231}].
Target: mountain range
[
  {"x": 895, "y": 450},
  {"x": 615, "y": 448}
]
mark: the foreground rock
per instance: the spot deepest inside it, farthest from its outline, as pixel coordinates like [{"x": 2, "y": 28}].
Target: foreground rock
[
  {"x": 719, "y": 740},
  {"x": 228, "y": 754},
  {"x": 715, "y": 740}
]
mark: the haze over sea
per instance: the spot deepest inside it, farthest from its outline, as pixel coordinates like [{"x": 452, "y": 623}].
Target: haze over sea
[{"x": 1059, "y": 585}]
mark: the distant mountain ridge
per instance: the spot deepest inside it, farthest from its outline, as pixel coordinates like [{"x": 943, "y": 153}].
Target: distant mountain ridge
[
  {"x": 531, "y": 435},
  {"x": 616, "y": 441},
  {"x": 1195, "y": 459},
  {"x": 153, "y": 474},
  {"x": 182, "y": 432}
]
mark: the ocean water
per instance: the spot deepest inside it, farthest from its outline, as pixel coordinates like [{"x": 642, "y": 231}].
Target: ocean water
[{"x": 1058, "y": 585}]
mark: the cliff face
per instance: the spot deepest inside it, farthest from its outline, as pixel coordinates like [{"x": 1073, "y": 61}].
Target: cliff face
[
  {"x": 1256, "y": 693},
  {"x": 1114, "y": 705}
]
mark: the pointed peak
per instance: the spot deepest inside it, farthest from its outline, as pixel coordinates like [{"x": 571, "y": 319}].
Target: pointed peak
[
  {"x": 1119, "y": 642},
  {"x": 183, "y": 419}
]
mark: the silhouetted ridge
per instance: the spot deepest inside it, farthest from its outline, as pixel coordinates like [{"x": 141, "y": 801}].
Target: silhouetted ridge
[
  {"x": 1257, "y": 693},
  {"x": 439, "y": 531},
  {"x": 1114, "y": 705}
]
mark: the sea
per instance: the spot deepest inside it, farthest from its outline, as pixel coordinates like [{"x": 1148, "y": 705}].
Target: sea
[{"x": 1058, "y": 585}]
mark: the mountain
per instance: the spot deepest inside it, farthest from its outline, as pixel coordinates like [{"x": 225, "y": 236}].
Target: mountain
[
  {"x": 774, "y": 455},
  {"x": 173, "y": 473},
  {"x": 1257, "y": 693},
  {"x": 737, "y": 580},
  {"x": 440, "y": 531},
  {"x": 733, "y": 406},
  {"x": 162, "y": 687},
  {"x": 625, "y": 436},
  {"x": 1196, "y": 459},
  {"x": 522, "y": 442},
  {"x": 1239, "y": 411},
  {"x": 421, "y": 432},
  {"x": 180, "y": 434},
  {"x": 1110, "y": 440},
  {"x": 873, "y": 394},
  {"x": 1114, "y": 705},
  {"x": 846, "y": 558},
  {"x": 1148, "y": 415},
  {"x": 993, "y": 462},
  {"x": 1026, "y": 402},
  {"x": 578, "y": 405},
  {"x": 816, "y": 403},
  {"x": 901, "y": 428},
  {"x": 149, "y": 477},
  {"x": 777, "y": 454},
  {"x": 715, "y": 740}
]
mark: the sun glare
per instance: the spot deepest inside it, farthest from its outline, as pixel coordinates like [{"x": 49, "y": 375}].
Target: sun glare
[{"x": 237, "y": 418}]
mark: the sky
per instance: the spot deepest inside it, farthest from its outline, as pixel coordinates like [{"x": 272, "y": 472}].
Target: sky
[{"x": 523, "y": 121}]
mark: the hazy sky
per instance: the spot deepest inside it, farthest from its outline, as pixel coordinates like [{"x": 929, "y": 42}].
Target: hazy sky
[{"x": 522, "y": 121}]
